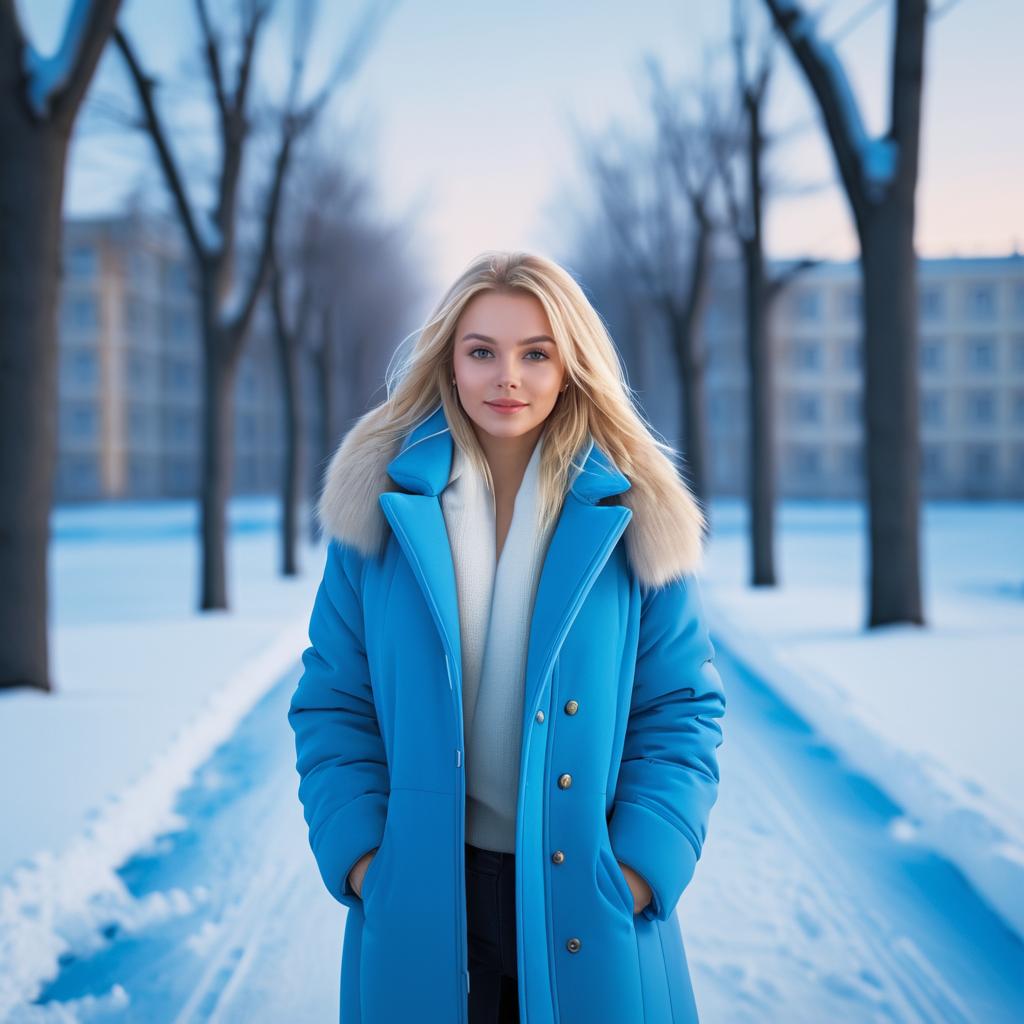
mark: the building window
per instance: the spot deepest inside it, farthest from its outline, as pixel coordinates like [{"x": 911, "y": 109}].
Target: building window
[
  {"x": 932, "y": 461},
  {"x": 138, "y": 368},
  {"x": 181, "y": 326},
  {"x": 933, "y": 408},
  {"x": 806, "y": 304},
  {"x": 79, "y": 421},
  {"x": 179, "y": 278},
  {"x": 932, "y": 303},
  {"x": 981, "y": 302},
  {"x": 181, "y": 426},
  {"x": 850, "y": 303},
  {"x": 139, "y": 420},
  {"x": 805, "y": 461},
  {"x": 804, "y": 408},
  {"x": 981, "y": 352},
  {"x": 135, "y": 315},
  {"x": 1018, "y": 351},
  {"x": 83, "y": 261},
  {"x": 852, "y": 354},
  {"x": 850, "y": 406},
  {"x": 1018, "y": 407},
  {"x": 180, "y": 376},
  {"x": 182, "y": 476},
  {"x": 79, "y": 475},
  {"x": 851, "y": 459},
  {"x": 981, "y": 407},
  {"x": 84, "y": 365},
  {"x": 933, "y": 354},
  {"x": 140, "y": 473},
  {"x": 83, "y": 313},
  {"x": 805, "y": 355},
  {"x": 981, "y": 461}
]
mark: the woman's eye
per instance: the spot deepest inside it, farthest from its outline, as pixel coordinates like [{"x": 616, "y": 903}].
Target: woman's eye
[{"x": 532, "y": 352}]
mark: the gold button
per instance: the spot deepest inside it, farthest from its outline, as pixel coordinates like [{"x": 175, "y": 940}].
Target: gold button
[
  {"x": 558, "y": 856},
  {"x": 571, "y": 707},
  {"x": 573, "y": 945},
  {"x": 564, "y": 781},
  {"x": 540, "y": 716}
]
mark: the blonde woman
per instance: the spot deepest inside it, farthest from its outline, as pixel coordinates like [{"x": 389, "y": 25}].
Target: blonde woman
[{"x": 507, "y": 725}]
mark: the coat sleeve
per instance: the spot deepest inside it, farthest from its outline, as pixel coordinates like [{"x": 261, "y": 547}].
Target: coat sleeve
[
  {"x": 340, "y": 755},
  {"x": 668, "y": 778}
]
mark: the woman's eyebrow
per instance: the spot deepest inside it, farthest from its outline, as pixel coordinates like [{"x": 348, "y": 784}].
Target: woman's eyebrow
[{"x": 525, "y": 341}]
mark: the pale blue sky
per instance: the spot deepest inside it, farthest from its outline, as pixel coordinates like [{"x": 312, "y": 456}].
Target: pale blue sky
[{"x": 465, "y": 111}]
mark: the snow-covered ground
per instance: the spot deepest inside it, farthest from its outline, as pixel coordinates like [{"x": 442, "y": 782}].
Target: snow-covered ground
[
  {"x": 933, "y": 715},
  {"x": 154, "y": 864},
  {"x": 146, "y": 687}
]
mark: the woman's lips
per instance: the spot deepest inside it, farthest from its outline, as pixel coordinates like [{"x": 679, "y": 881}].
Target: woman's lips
[{"x": 506, "y": 409}]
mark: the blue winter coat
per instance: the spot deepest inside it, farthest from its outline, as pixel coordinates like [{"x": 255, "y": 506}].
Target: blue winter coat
[{"x": 379, "y": 738}]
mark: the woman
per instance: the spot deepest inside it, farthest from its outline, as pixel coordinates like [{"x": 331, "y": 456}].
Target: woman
[{"x": 507, "y": 725}]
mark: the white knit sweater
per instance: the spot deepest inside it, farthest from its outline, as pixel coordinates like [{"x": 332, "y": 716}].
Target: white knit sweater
[{"x": 495, "y": 607}]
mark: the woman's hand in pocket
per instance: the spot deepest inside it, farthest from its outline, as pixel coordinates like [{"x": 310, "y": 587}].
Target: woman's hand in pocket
[
  {"x": 358, "y": 872},
  {"x": 638, "y": 886}
]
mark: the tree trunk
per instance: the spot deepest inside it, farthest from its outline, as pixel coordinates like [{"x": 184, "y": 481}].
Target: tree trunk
[
  {"x": 693, "y": 442},
  {"x": 31, "y": 192},
  {"x": 761, "y": 414},
  {"x": 218, "y": 445},
  {"x": 891, "y": 413},
  {"x": 761, "y": 419},
  {"x": 691, "y": 361},
  {"x": 287, "y": 356},
  {"x": 323, "y": 368}
]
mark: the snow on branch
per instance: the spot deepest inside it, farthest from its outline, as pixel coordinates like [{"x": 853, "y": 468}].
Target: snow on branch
[
  {"x": 873, "y": 159},
  {"x": 48, "y": 75}
]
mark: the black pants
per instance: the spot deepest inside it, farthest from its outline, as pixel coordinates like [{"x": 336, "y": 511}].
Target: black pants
[{"x": 491, "y": 931}]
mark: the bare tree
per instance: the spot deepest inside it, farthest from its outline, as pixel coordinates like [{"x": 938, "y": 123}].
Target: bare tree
[
  {"x": 879, "y": 177},
  {"x": 745, "y": 203},
  {"x": 340, "y": 295},
  {"x": 39, "y": 100},
  {"x": 667, "y": 243},
  {"x": 289, "y": 335},
  {"x": 227, "y": 307}
]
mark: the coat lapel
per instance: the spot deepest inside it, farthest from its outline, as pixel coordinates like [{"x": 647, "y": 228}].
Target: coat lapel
[{"x": 581, "y": 543}]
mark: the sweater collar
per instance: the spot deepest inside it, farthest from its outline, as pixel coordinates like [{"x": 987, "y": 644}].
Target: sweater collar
[{"x": 423, "y": 464}]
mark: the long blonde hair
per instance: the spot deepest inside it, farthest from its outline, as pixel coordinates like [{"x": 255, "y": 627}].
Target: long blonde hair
[{"x": 599, "y": 401}]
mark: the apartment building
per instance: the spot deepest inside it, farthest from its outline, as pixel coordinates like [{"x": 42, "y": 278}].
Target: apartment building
[
  {"x": 971, "y": 380},
  {"x": 130, "y": 375}
]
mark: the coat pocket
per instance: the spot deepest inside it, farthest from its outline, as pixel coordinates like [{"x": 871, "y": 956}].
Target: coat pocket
[
  {"x": 620, "y": 889},
  {"x": 372, "y": 871}
]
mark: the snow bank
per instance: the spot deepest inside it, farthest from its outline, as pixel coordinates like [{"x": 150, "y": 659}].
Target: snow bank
[
  {"x": 931, "y": 715},
  {"x": 146, "y": 690}
]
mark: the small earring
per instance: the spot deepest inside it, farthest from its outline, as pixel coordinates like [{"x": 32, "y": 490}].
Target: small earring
[{"x": 453, "y": 382}]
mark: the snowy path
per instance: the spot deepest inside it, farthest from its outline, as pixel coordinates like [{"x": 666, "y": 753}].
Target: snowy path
[{"x": 811, "y": 903}]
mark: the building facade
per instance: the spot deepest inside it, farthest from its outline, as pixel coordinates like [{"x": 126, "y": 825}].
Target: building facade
[
  {"x": 130, "y": 376},
  {"x": 971, "y": 359}
]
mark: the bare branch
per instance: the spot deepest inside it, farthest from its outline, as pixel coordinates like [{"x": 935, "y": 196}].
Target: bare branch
[
  {"x": 367, "y": 29},
  {"x": 829, "y": 83},
  {"x": 144, "y": 88},
  {"x": 257, "y": 13},
  {"x": 211, "y": 49},
  {"x": 57, "y": 84},
  {"x": 782, "y": 281}
]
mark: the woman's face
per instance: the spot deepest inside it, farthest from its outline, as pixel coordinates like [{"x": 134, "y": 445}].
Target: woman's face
[{"x": 505, "y": 353}]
